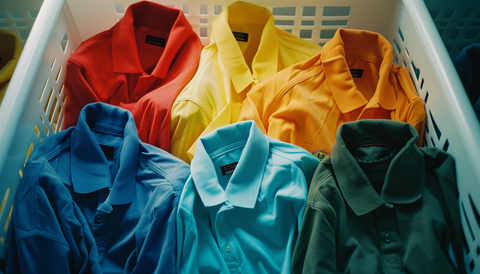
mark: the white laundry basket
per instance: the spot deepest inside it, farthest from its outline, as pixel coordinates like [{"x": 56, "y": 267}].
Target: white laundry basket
[
  {"x": 458, "y": 22},
  {"x": 33, "y": 106}
]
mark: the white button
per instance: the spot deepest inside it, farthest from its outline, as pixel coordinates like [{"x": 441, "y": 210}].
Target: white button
[
  {"x": 228, "y": 249},
  {"x": 219, "y": 225},
  {"x": 135, "y": 98}
]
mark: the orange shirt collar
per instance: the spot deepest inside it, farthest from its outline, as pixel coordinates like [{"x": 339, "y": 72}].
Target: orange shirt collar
[
  {"x": 360, "y": 44},
  {"x": 265, "y": 62},
  {"x": 124, "y": 48}
]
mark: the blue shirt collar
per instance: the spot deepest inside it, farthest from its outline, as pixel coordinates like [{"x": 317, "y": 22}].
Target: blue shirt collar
[
  {"x": 243, "y": 187},
  {"x": 90, "y": 171}
]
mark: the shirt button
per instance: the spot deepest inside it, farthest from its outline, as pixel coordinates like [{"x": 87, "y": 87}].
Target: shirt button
[
  {"x": 228, "y": 249},
  {"x": 135, "y": 98},
  {"x": 98, "y": 219},
  {"x": 388, "y": 238},
  {"x": 219, "y": 225}
]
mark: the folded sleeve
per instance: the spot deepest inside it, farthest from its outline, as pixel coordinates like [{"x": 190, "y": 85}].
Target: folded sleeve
[
  {"x": 155, "y": 235},
  {"x": 50, "y": 233},
  {"x": 315, "y": 248},
  {"x": 188, "y": 122}
]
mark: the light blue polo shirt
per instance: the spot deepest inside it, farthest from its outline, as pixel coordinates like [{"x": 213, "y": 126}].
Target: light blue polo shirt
[
  {"x": 95, "y": 199},
  {"x": 241, "y": 209}
]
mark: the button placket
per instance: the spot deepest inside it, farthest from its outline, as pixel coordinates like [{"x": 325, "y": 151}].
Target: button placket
[
  {"x": 388, "y": 235},
  {"x": 100, "y": 226},
  {"x": 99, "y": 231}
]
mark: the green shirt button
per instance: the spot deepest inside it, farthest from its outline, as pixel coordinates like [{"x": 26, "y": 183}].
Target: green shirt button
[{"x": 388, "y": 238}]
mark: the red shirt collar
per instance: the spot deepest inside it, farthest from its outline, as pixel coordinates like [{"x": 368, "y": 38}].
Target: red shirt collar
[{"x": 124, "y": 49}]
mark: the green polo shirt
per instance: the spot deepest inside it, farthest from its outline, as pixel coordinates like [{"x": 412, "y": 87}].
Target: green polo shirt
[{"x": 380, "y": 204}]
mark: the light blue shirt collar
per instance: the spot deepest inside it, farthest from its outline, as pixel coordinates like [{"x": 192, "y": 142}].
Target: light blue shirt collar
[
  {"x": 243, "y": 187},
  {"x": 88, "y": 156}
]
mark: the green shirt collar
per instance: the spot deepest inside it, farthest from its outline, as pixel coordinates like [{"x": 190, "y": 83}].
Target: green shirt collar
[{"x": 405, "y": 175}]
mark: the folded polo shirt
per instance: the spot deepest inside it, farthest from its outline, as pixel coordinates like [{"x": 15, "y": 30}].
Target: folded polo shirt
[
  {"x": 241, "y": 208},
  {"x": 140, "y": 64},
  {"x": 467, "y": 64},
  {"x": 380, "y": 204},
  {"x": 10, "y": 51},
  {"x": 353, "y": 78},
  {"x": 95, "y": 199},
  {"x": 245, "y": 48}
]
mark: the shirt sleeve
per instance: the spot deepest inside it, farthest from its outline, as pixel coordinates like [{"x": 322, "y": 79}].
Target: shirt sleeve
[
  {"x": 51, "y": 235},
  {"x": 315, "y": 248},
  {"x": 79, "y": 93},
  {"x": 443, "y": 185},
  {"x": 188, "y": 122},
  {"x": 414, "y": 112},
  {"x": 418, "y": 118},
  {"x": 156, "y": 235},
  {"x": 258, "y": 106}
]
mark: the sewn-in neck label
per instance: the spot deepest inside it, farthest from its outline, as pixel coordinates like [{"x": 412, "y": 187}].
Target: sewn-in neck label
[
  {"x": 356, "y": 73},
  {"x": 228, "y": 169},
  {"x": 156, "y": 41},
  {"x": 240, "y": 36}
]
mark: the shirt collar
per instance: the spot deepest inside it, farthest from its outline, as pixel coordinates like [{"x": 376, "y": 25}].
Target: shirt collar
[
  {"x": 363, "y": 45},
  {"x": 11, "y": 50},
  {"x": 90, "y": 171},
  {"x": 124, "y": 47},
  {"x": 265, "y": 62},
  {"x": 243, "y": 187},
  {"x": 405, "y": 175}
]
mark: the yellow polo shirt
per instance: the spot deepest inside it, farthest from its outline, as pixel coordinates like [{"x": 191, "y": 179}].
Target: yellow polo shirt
[
  {"x": 245, "y": 48},
  {"x": 10, "y": 51},
  {"x": 353, "y": 78}
]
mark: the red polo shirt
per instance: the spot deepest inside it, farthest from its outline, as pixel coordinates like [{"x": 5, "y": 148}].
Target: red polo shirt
[{"x": 140, "y": 64}]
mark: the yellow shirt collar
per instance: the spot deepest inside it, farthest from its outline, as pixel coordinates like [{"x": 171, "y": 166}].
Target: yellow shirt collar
[
  {"x": 264, "y": 63},
  {"x": 365, "y": 45}
]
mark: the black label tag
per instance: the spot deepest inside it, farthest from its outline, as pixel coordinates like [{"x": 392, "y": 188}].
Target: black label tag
[
  {"x": 228, "y": 169},
  {"x": 240, "y": 36},
  {"x": 155, "y": 40},
  {"x": 107, "y": 150},
  {"x": 357, "y": 73}
]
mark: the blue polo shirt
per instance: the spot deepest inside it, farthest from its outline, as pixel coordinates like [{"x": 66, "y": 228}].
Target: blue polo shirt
[
  {"x": 241, "y": 209},
  {"x": 467, "y": 64},
  {"x": 95, "y": 199}
]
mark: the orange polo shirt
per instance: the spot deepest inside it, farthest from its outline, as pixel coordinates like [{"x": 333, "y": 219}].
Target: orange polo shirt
[
  {"x": 353, "y": 78},
  {"x": 140, "y": 64}
]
